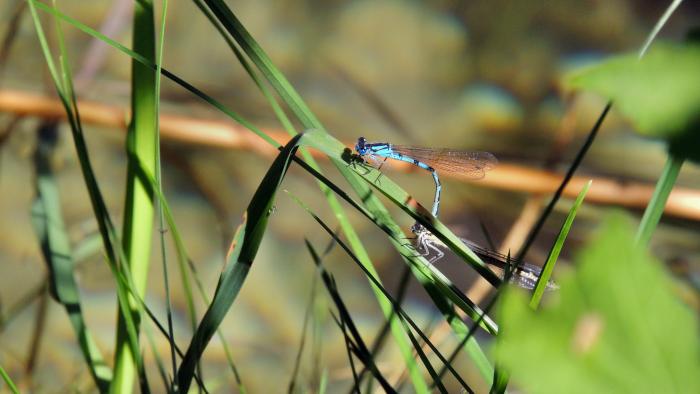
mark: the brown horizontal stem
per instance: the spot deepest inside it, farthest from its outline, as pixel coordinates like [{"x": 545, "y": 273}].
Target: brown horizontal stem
[{"x": 682, "y": 203}]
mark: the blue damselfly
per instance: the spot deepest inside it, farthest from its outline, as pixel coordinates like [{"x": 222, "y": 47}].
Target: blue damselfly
[{"x": 471, "y": 164}]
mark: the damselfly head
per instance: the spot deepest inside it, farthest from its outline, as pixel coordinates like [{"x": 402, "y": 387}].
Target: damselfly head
[{"x": 360, "y": 146}]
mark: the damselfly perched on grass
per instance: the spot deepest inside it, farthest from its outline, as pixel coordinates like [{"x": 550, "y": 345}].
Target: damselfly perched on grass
[
  {"x": 471, "y": 164},
  {"x": 522, "y": 274}
]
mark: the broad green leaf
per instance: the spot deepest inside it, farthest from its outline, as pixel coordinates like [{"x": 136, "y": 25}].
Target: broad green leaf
[
  {"x": 660, "y": 93},
  {"x": 617, "y": 326}
]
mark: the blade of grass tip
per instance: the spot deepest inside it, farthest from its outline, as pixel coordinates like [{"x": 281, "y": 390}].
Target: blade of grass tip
[
  {"x": 403, "y": 317},
  {"x": 535, "y": 230},
  {"x": 141, "y": 142},
  {"x": 548, "y": 267},
  {"x": 323, "y": 382},
  {"x": 502, "y": 376},
  {"x": 655, "y": 208},
  {"x": 243, "y": 251},
  {"x": 345, "y": 321},
  {"x": 584, "y": 149},
  {"x": 65, "y": 92},
  {"x": 47, "y": 220},
  {"x": 658, "y": 26},
  {"x": 8, "y": 381}
]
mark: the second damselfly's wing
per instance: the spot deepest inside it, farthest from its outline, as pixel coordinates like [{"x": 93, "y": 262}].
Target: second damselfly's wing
[
  {"x": 523, "y": 274},
  {"x": 472, "y": 164}
]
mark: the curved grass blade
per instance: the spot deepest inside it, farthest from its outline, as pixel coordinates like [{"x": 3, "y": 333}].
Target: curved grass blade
[
  {"x": 48, "y": 225},
  {"x": 548, "y": 267},
  {"x": 241, "y": 255}
]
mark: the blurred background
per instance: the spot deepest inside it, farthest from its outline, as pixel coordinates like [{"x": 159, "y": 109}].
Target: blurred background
[{"x": 479, "y": 75}]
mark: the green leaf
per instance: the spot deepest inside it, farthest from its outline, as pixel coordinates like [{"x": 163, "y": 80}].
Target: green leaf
[
  {"x": 244, "y": 248},
  {"x": 660, "y": 93},
  {"x": 617, "y": 326}
]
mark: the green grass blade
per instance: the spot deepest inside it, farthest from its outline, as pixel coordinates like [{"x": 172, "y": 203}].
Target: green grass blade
[
  {"x": 347, "y": 325},
  {"x": 502, "y": 376},
  {"x": 404, "y": 319},
  {"x": 159, "y": 186},
  {"x": 322, "y": 141},
  {"x": 62, "y": 81},
  {"x": 309, "y": 121},
  {"x": 183, "y": 264},
  {"x": 455, "y": 322},
  {"x": 142, "y": 139},
  {"x": 308, "y": 315},
  {"x": 548, "y": 267},
  {"x": 8, "y": 381},
  {"x": 241, "y": 256},
  {"x": 48, "y": 225},
  {"x": 655, "y": 208}
]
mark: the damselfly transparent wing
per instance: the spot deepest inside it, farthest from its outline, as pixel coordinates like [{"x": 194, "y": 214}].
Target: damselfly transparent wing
[{"x": 472, "y": 164}]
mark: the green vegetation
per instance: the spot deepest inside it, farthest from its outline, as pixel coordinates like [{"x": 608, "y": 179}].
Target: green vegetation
[{"x": 614, "y": 325}]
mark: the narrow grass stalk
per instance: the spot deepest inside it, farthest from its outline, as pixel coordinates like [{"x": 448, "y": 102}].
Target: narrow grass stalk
[
  {"x": 159, "y": 186},
  {"x": 655, "y": 208},
  {"x": 548, "y": 267},
  {"x": 8, "y": 381},
  {"x": 142, "y": 139}
]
